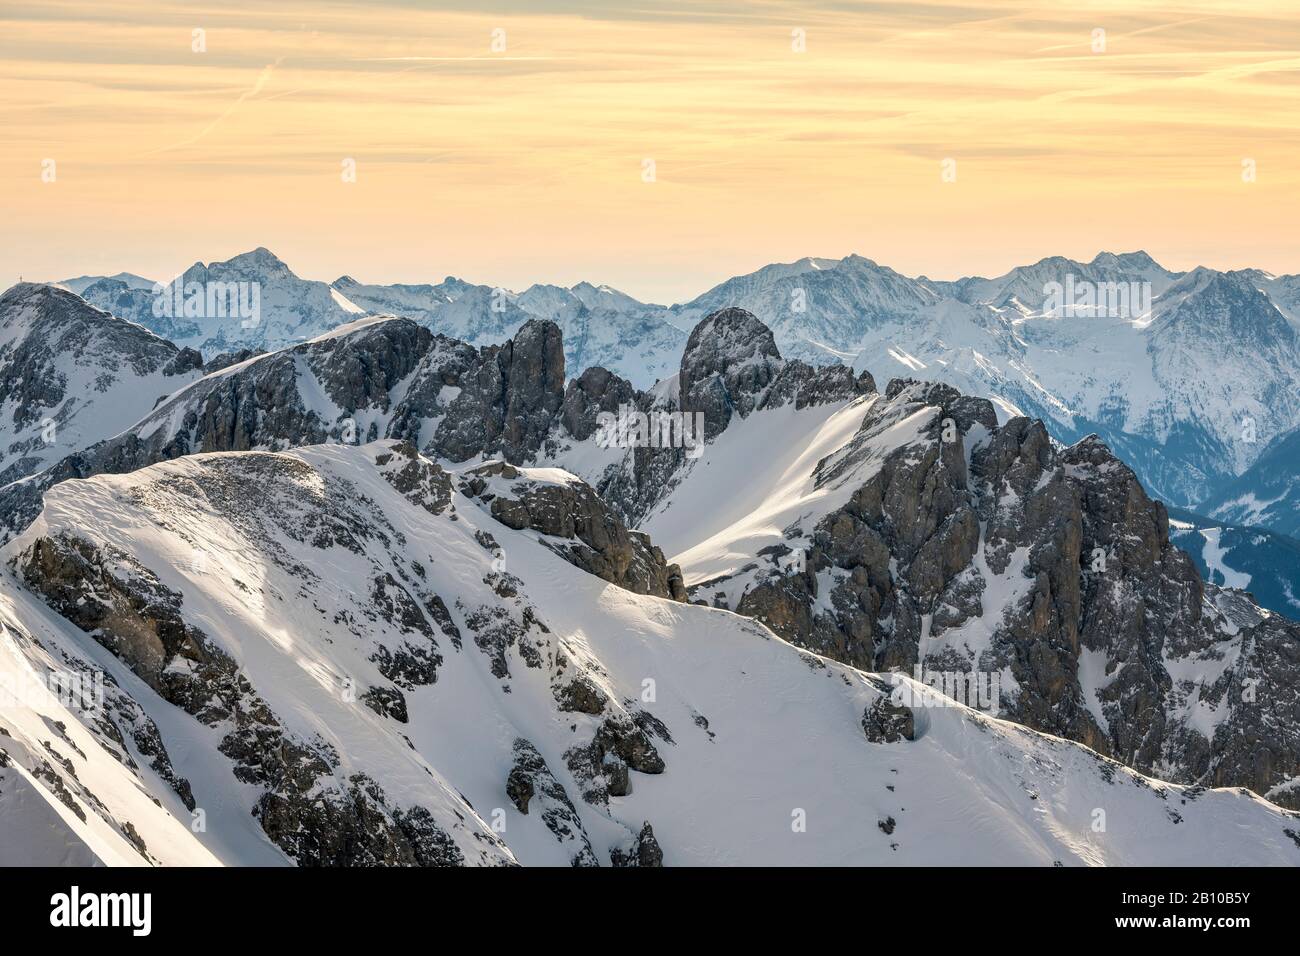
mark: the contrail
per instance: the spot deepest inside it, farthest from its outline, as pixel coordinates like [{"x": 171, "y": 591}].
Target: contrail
[{"x": 257, "y": 87}]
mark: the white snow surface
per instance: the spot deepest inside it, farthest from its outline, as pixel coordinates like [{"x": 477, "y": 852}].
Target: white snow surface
[
  {"x": 109, "y": 377},
  {"x": 766, "y": 463},
  {"x": 763, "y": 735}
]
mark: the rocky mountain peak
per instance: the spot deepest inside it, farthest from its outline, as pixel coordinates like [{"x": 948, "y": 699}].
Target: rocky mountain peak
[
  {"x": 729, "y": 335},
  {"x": 260, "y": 262},
  {"x": 1229, "y": 306},
  {"x": 1135, "y": 261},
  {"x": 730, "y": 359},
  {"x": 507, "y": 405},
  {"x": 594, "y": 391},
  {"x": 48, "y": 310},
  {"x": 21, "y": 291},
  {"x": 35, "y": 298},
  {"x": 71, "y": 373}
]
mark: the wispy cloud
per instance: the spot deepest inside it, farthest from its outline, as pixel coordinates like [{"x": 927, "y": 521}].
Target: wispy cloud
[{"x": 259, "y": 84}]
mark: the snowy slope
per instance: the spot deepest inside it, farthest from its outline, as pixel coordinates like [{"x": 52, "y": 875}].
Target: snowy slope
[
  {"x": 71, "y": 375},
  {"x": 769, "y": 460},
  {"x": 78, "y": 763},
  {"x": 744, "y": 749}
]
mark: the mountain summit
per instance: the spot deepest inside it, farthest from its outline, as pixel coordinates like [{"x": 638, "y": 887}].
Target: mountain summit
[{"x": 1190, "y": 377}]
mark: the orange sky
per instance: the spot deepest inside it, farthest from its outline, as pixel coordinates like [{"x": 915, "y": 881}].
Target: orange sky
[{"x": 526, "y": 164}]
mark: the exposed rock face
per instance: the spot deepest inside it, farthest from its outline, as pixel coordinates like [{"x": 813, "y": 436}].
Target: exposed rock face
[
  {"x": 422, "y": 482},
  {"x": 433, "y": 386},
  {"x": 227, "y": 359},
  {"x": 1049, "y": 575},
  {"x": 644, "y": 850},
  {"x": 531, "y": 785},
  {"x": 306, "y": 808},
  {"x": 645, "y": 476},
  {"x": 571, "y": 510},
  {"x": 910, "y": 522},
  {"x": 508, "y": 404},
  {"x": 730, "y": 359},
  {"x": 125, "y": 717},
  {"x": 885, "y": 722},
  {"x": 186, "y": 360},
  {"x": 622, "y": 742},
  {"x": 594, "y": 391},
  {"x": 1257, "y": 744},
  {"x": 1031, "y": 510},
  {"x": 69, "y": 374},
  {"x": 806, "y": 385}
]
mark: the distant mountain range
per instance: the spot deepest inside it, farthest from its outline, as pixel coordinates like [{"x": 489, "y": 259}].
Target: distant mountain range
[
  {"x": 1268, "y": 492},
  {"x": 1194, "y": 381},
  {"x": 601, "y": 326},
  {"x": 1265, "y": 563}
]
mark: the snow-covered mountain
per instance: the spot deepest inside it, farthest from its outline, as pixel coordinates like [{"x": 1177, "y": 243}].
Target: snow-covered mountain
[
  {"x": 1190, "y": 388},
  {"x": 1025, "y": 287},
  {"x": 71, "y": 375},
  {"x": 257, "y": 302},
  {"x": 1188, "y": 394},
  {"x": 1265, "y": 563},
  {"x": 253, "y": 300},
  {"x": 128, "y": 280},
  {"x": 1268, "y": 493},
  {"x": 602, "y": 326},
  {"x": 378, "y": 598},
  {"x": 1188, "y": 375},
  {"x": 819, "y": 310},
  {"x": 336, "y": 656},
  {"x": 910, "y": 528}
]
